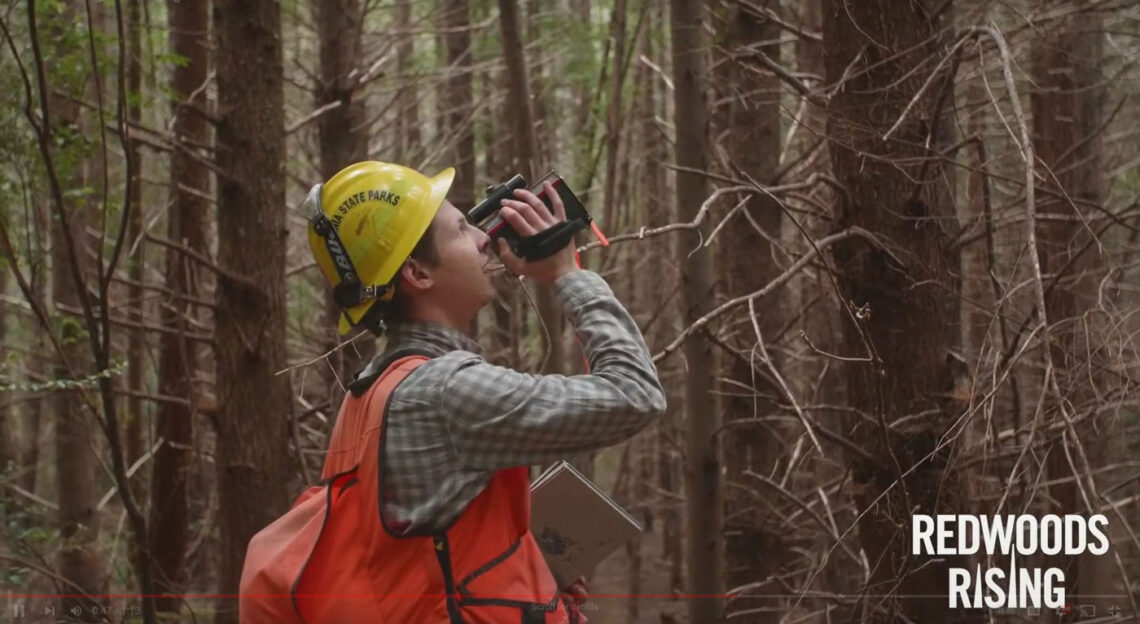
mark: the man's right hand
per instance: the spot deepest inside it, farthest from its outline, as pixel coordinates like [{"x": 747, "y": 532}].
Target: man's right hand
[{"x": 529, "y": 217}]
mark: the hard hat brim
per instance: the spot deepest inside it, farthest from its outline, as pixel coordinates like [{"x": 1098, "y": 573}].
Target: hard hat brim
[{"x": 440, "y": 185}]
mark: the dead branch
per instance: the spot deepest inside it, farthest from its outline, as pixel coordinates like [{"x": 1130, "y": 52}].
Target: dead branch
[
  {"x": 823, "y": 243},
  {"x": 763, "y": 353}
]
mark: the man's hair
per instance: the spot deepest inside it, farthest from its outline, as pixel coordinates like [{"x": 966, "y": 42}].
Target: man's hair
[{"x": 424, "y": 251}]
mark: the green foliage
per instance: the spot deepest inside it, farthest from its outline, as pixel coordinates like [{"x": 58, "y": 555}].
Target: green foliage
[
  {"x": 71, "y": 331},
  {"x": 172, "y": 59}
]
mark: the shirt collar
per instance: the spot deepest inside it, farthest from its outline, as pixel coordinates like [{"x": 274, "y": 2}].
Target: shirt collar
[{"x": 435, "y": 338}]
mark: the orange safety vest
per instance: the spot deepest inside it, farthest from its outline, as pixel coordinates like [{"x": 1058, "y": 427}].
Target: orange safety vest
[{"x": 333, "y": 559}]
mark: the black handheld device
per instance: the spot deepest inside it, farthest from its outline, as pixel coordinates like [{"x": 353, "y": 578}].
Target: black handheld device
[{"x": 486, "y": 216}]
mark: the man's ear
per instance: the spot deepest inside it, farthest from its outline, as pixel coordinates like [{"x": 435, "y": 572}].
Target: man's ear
[{"x": 415, "y": 276}]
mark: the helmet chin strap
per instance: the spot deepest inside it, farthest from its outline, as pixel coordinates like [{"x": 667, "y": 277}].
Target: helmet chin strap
[{"x": 349, "y": 291}]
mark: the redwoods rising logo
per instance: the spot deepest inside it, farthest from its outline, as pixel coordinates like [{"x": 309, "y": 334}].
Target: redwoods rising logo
[{"x": 1014, "y": 536}]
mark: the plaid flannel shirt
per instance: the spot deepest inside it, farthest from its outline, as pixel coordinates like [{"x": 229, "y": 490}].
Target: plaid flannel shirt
[{"x": 457, "y": 418}]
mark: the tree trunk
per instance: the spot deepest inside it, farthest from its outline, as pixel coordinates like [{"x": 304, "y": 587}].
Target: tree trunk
[
  {"x": 810, "y": 374},
  {"x": 253, "y": 401},
  {"x": 755, "y": 543},
  {"x": 186, "y": 225},
  {"x": 647, "y": 208},
  {"x": 76, "y": 434},
  {"x": 505, "y": 312},
  {"x": 908, "y": 312},
  {"x": 657, "y": 193},
  {"x": 703, "y": 494},
  {"x": 546, "y": 144},
  {"x": 37, "y": 366},
  {"x": 136, "y": 428},
  {"x": 984, "y": 327},
  {"x": 610, "y": 202},
  {"x": 1067, "y": 105},
  {"x": 458, "y": 94},
  {"x": 407, "y": 98},
  {"x": 9, "y": 424},
  {"x": 343, "y": 141},
  {"x": 136, "y": 262},
  {"x": 528, "y": 155}
]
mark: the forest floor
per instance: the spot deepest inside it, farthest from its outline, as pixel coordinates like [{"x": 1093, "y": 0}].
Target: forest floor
[{"x": 611, "y": 600}]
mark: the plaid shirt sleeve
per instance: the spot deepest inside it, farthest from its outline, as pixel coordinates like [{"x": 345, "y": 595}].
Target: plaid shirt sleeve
[{"x": 498, "y": 417}]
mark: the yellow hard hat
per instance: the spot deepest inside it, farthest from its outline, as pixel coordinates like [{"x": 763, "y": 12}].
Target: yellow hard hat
[{"x": 364, "y": 223}]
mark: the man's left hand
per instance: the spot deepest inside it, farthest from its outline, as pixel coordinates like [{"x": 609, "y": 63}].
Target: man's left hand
[{"x": 573, "y": 596}]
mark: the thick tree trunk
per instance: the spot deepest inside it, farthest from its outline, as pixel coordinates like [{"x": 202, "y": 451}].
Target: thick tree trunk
[
  {"x": 750, "y": 120},
  {"x": 908, "y": 312},
  {"x": 253, "y": 401},
  {"x": 339, "y": 133},
  {"x": 76, "y": 432},
  {"x": 1067, "y": 105},
  {"x": 169, "y": 508},
  {"x": 703, "y": 493},
  {"x": 343, "y": 141}
]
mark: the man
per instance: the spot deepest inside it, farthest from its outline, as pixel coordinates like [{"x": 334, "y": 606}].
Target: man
[{"x": 424, "y": 513}]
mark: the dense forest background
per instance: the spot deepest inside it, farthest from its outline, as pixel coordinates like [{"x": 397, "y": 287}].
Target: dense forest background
[{"x": 885, "y": 253}]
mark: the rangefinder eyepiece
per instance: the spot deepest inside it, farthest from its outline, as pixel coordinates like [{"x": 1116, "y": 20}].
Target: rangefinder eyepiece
[{"x": 496, "y": 193}]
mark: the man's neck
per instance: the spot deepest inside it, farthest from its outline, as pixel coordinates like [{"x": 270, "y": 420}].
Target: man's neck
[{"x": 440, "y": 317}]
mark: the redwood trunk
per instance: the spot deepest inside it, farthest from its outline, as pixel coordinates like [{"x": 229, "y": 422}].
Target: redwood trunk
[
  {"x": 136, "y": 262},
  {"x": 703, "y": 493},
  {"x": 755, "y": 542},
  {"x": 169, "y": 500},
  {"x": 76, "y": 432},
  {"x": 909, "y": 308},
  {"x": 253, "y": 401},
  {"x": 343, "y": 140},
  {"x": 1067, "y": 105}
]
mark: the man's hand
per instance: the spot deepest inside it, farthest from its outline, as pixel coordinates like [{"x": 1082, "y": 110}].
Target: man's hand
[
  {"x": 529, "y": 217},
  {"x": 573, "y": 596}
]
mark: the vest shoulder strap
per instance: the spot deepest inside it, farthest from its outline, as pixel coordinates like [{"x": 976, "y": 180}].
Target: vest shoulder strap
[
  {"x": 355, "y": 419},
  {"x": 370, "y": 373}
]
